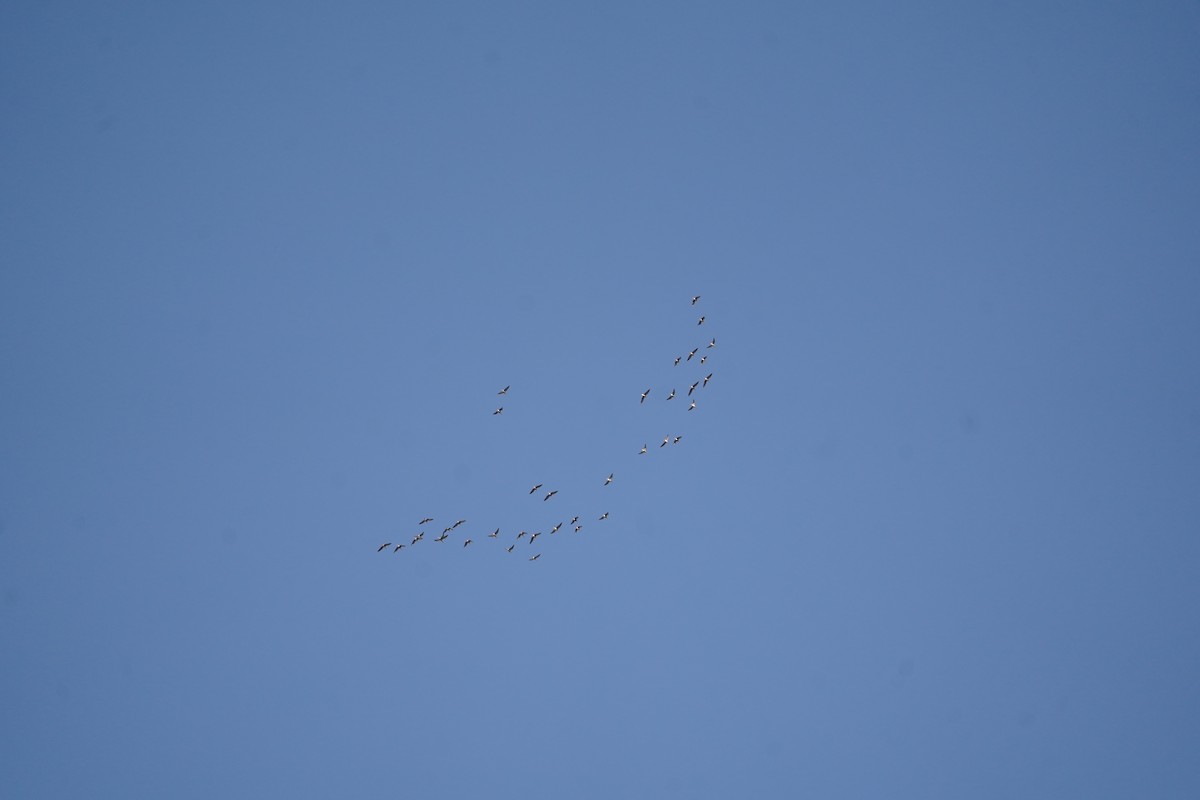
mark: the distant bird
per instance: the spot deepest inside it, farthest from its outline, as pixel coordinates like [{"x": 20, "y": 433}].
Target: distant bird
[
  {"x": 427, "y": 519},
  {"x": 713, "y": 343},
  {"x": 535, "y": 488},
  {"x": 707, "y": 378},
  {"x": 555, "y": 528},
  {"x": 692, "y": 406},
  {"x": 499, "y": 410},
  {"x": 535, "y": 558},
  {"x": 417, "y": 538},
  {"x": 671, "y": 396},
  {"x": 700, "y": 321},
  {"x": 689, "y": 358},
  {"x": 533, "y": 538},
  {"x": 467, "y": 542},
  {"x": 573, "y": 520},
  {"x": 504, "y": 390},
  {"x": 494, "y": 534},
  {"x": 642, "y": 451},
  {"x": 694, "y": 385},
  {"x": 455, "y": 525},
  {"x": 644, "y": 396},
  {"x": 608, "y": 480},
  {"x": 522, "y": 533},
  {"x": 677, "y": 360},
  {"x": 665, "y": 440},
  {"x": 578, "y": 528},
  {"x": 399, "y": 547},
  {"x": 447, "y": 529},
  {"x": 604, "y": 515},
  {"x": 549, "y": 495},
  {"x": 509, "y": 549},
  {"x": 385, "y": 544},
  {"x": 677, "y": 438},
  {"x": 694, "y": 299},
  {"x": 442, "y": 538},
  {"x": 703, "y": 359}
]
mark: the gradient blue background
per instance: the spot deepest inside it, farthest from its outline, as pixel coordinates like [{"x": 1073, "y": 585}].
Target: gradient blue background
[{"x": 931, "y": 532}]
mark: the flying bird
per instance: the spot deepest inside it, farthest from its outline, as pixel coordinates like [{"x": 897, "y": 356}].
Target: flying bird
[
  {"x": 604, "y": 515},
  {"x": 535, "y": 488},
  {"x": 399, "y": 547},
  {"x": 677, "y": 360},
  {"x": 533, "y": 538},
  {"x": 642, "y": 451},
  {"x": 694, "y": 385},
  {"x": 447, "y": 529},
  {"x": 504, "y": 390},
  {"x": 535, "y": 558},
  {"x": 578, "y": 528},
  {"x": 417, "y": 538},
  {"x": 574, "y": 520},
  {"x": 442, "y": 538},
  {"x": 499, "y": 410},
  {"x": 701, "y": 321},
  {"x": 455, "y": 525},
  {"x": 671, "y": 396},
  {"x": 555, "y": 528},
  {"x": 703, "y": 359},
  {"x": 549, "y": 495},
  {"x": 713, "y": 343},
  {"x": 385, "y": 544},
  {"x": 522, "y": 533},
  {"x": 509, "y": 549},
  {"x": 467, "y": 542},
  {"x": 677, "y": 438},
  {"x": 689, "y": 358},
  {"x": 707, "y": 378},
  {"x": 665, "y": 440},
  {"x": 692, "y": 406},
  {"x": 608, "y": 480},
  {"x": 494, "y": 534},
  {"x": 427, "y": 519},
  {"x": 644, "y": 396},
  {"x": 694, "y": 299}
]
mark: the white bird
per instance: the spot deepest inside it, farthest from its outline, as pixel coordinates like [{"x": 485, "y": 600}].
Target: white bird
[
  {"x": 665, "y": 440},
  {"x": 693, "y": 388},
  {"x": 642, "y": 451},
  {"x": 644, "y": 396},
  {"x": 703, "y": 359},
  {"x": 608, "y": 480},
  {"x": 689, "y": 358},
  {"x": 694, "y": 299},
  {"x": 604, "y": 515},
  {"x": 692, "y": 406},
  {"x": 504, "y": 390},
  {"x": 713, "y": 343},
  {"x": 555, "y": 528},
  {"x": 494, "y": 534},
  {"x": 533, "y": 538},
  {"x": 707, "y": 378}
]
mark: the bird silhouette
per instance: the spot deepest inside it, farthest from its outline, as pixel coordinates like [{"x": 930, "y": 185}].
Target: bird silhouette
[
  {"x": 693, "y": 388},
  {"x": 535, "y": 558},
  {"x": 644, "y": 396},
  {"x": 549, "y": 495},
  {"x": 689, "y": 358},
  {"x": 701, "y": 321},
  {"x": 713, "y": 343},
  {"x": 671, "y": 396},
  {"x": 494, "y": 534},
  {"x": 442, "y": 538},
  {"x": 608, "y": 480},
  {"x": 427, "y": 519},
  {"x": 642, "y": 451},
  {"x": 535, "y": 488},
  {"x": 382, "y": 546},
  {"x": 504, "y": 390},
  {"x": 499, "y": 410},
  {"x": 677, "y": 360},
  {"x": 707, "y": 378},
  {"x": 694, "y": 299},
  {"x": 604, "y": 515}
]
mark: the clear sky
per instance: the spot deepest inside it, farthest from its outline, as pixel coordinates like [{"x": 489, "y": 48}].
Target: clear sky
[{"x": 931, "y": 530}]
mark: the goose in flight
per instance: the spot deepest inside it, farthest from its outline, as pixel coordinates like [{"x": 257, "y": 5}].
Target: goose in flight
[
  {"x": 442, "y": 538},
  {"x": 694, "y": 299},
  {"x": 399, "y": 547},
  {"x": 427, "y": 519},
  {"x": 665, "y": 440},
  {"x": 608, "y": 480},
  {"x": 504, "y": 390},
  {"x": 535, "y": 488},
  {"x": 689, "y": 358},
  {"x": 549, "y": 495},
  {"x": 604, "y": 515},
  {"x": 701, "y": 321},
  {"x": 642, "y": 451},
  {"x": 385, "y": 544},
  {"x": 494, "y": 534},
  {"x": 418, "y": 538},
  {"x": 707, "y": 378},
  {"x": 455, "y": 525},
  {"x": 555, "y": 528},
  {"x": 692, "y": 407},
  {"x": 447, "y": 529},
  {"x": 533, "y": 538},
  {"x": 677, "y": 360},
  {"x": 535, "y": 558},
  {"x": 713, "y": 343},
  {"x": 499, "y": 410},
  {"x": 644, "y": 396},
  {"x": 693, "y": 388},
  {"x": 671, "y": 396}
]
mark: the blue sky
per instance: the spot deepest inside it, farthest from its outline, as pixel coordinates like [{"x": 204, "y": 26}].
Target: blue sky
[{"x": 931, "y": 530}]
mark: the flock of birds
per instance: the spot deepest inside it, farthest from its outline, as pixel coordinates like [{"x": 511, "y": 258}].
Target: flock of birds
[{"x": 530, "y": 537}]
